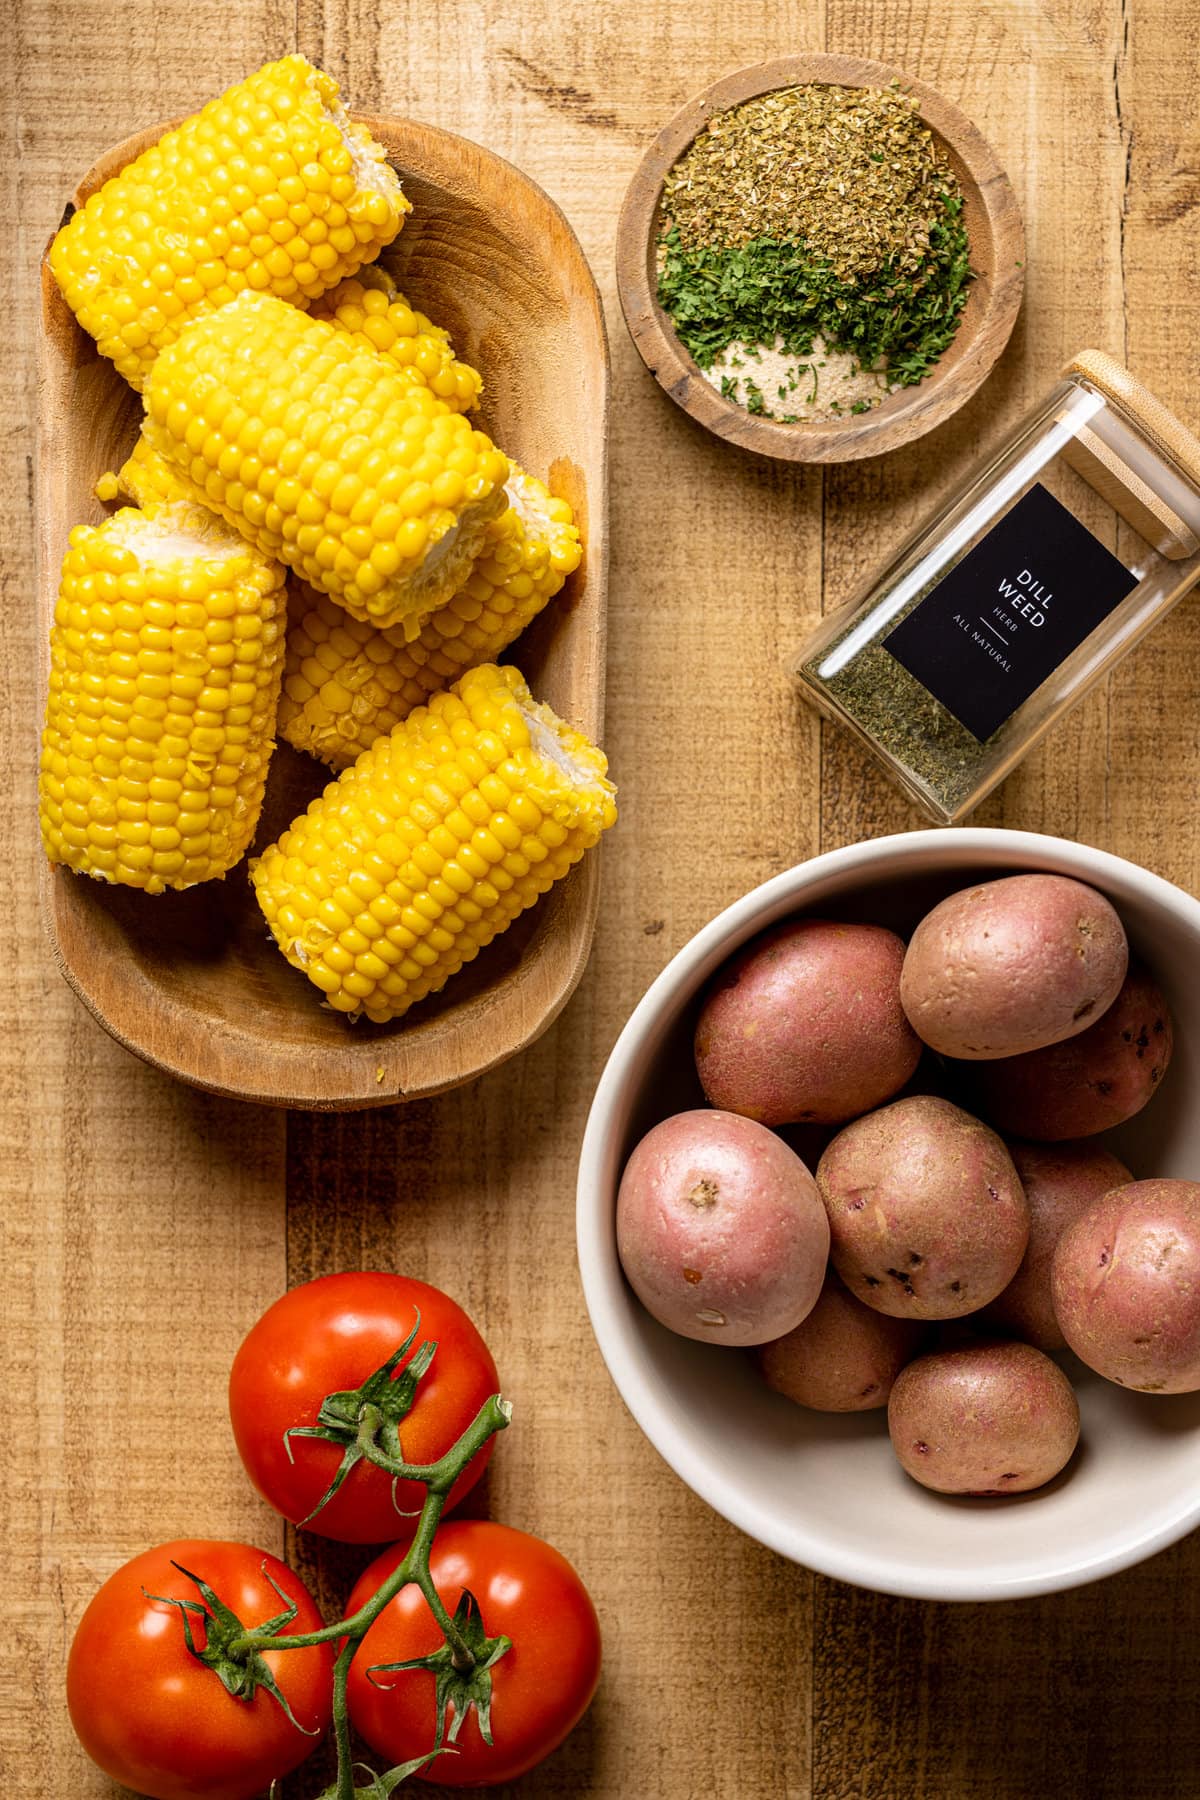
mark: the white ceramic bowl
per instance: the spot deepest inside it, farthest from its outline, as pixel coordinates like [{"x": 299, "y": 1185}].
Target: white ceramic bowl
[{"x": 825, "y": 1489}]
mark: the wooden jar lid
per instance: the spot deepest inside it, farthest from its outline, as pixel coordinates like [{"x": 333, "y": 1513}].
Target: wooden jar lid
[{"x": 1161, "y": 427}]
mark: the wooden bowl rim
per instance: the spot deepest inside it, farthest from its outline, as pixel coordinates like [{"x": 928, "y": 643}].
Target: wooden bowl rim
[
  {"x": 267, "y": 1062},
  {"x": 907, "y": 413}
]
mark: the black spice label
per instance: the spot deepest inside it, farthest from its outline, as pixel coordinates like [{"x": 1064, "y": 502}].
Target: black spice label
[{"x": 1003, "y": 619}]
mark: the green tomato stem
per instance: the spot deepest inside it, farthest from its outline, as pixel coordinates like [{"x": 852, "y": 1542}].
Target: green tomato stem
[
  {"x": 438, "y": 1479},
  {"x": 341, "y": 1722}
]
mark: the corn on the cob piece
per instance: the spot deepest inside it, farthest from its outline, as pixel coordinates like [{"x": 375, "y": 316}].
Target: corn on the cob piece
[
  {"x": 373, "y": 310},
  {"x": 346, "y": 684},
  {"x": 370, "y": 308},
  {"x": 165, "y": 660},
  {"x": 432, "y": 843},
  {"x": 320, "y": 453},
  {"x": 270, "y": 186}
]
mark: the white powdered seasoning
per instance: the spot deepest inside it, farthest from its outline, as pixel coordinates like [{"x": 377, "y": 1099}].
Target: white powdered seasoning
[{"x": 826, "y": 384}]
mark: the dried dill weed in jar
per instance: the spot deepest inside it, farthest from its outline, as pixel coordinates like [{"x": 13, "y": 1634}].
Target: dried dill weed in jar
[
  {"x": 1006, "y": 607},
  {"x": 813, "y": 256}
]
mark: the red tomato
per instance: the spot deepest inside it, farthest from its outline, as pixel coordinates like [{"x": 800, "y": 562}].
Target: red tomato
[
  {"x": 541, "y": 1688},
  {"x": 159, "y": 1721},
  {"x": 327, "y": 1337}
]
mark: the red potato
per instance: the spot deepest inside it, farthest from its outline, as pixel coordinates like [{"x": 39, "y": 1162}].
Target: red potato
[
  {"x": 720, "y": 1229},
  {"x": 1010, "y": 966},
  {"x": 927, "y": 1216},
  {"x": 805, "y": 1024},
  {"x": 1088, "y": 1083},
  {"x": 843, "y": 1357},
  {"x": 989, "y": 1419},
  {"x": 1126, "y": 1282},
  {"x": 1060, "y": 1182}
]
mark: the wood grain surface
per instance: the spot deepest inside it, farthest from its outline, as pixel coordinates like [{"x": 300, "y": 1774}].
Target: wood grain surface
[{"x": 146, "y": 1225}]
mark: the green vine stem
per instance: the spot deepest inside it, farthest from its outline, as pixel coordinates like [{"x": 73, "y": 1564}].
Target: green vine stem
[
  {"x": 341, "y": 1722},
  {"x": 438, "y": 1479}
]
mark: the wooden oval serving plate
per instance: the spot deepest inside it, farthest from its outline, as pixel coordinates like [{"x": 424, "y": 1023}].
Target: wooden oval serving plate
[
  {"x": 192, "y": 982},
  {"x": 997, "y": 240}
]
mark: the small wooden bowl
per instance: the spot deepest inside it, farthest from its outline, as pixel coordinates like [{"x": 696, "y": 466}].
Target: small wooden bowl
[
  {"x": 993, "y": 223},
  {"x": 192, "y": 981}
]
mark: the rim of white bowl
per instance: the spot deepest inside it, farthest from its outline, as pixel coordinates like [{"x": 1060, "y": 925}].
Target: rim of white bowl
[{"x": 600, "y": 1270}]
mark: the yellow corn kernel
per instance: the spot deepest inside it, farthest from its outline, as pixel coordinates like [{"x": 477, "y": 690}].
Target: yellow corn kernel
[
  {"x": 269, "y": 187},
  {"x": 346, "y": 684},
  {"x": 319, "y": 452},
  {"x": 372, "y": 309},
  {"x": 165, "y": 660},
  {"x": 441, "y": 833}
]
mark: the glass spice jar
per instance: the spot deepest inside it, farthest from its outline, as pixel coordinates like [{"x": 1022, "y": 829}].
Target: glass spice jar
[{"x": 1008, "y": 605}]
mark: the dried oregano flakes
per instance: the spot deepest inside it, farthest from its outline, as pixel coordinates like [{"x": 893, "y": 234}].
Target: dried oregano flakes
[{"x": 823, "y": 213}]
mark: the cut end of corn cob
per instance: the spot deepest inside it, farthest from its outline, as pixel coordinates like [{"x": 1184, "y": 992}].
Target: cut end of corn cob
[
  {"x": 432, "y": 844},
  {"x": 346, "y": 684},
  {"x": 371, "y": 308},
  {"x": 146, "y": 479},
  {"x": 270, "y": 187},
  {"x": 165, "y": 659},
  {"x": 321, "y": 454}
]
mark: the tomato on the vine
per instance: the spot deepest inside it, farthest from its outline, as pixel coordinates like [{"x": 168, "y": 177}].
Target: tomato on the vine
[
  {"x": 541, "y": 1687},
  {"x": 328, "y": 1337},
  {"x": 156, "y": 1718}
]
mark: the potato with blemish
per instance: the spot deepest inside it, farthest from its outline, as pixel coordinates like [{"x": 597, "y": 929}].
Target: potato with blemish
[
  {"x": 1087, "y": 1083},
  {"x": 927, "y": 1216},
  {"x": 805, "y": 1024},
  {"x": 1126, "y": 1283},
  {"x": 720, "y": 1229},
  {"x": 991, "y": 1418},
  {"x": 1012, "y": 965},
  {"x": 1061, "y": 1181},
  {"x": 843, "y": 1357}
]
